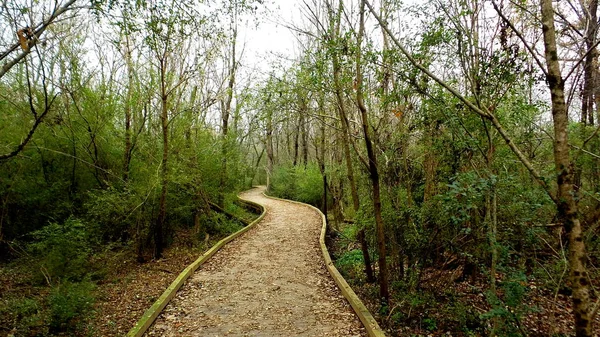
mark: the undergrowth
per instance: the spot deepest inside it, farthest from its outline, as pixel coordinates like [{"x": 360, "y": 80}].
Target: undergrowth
[{"x": 62, "y": 264}]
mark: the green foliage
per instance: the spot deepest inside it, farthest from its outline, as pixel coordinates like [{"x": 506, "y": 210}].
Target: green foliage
[
  {"x": 64, "y": 309},
  {"x": 508, "y": 310},
  {"x": 61, "y": 251},
  {"x": 351, "y": 264},
  {"x": 114, "y": 210},
  {"x": 462, "y": 316},
  {"x": 69, "y": 303},
  {"x": 26, "y": 313},
  {"x": 217, "y": 224},
  {"x": 298, "y": 183},
  {"x": 464, "y": 196},
  {"x": 239, "y": 209},
  {"x": 349, "y": 233},
  {"x": 429, "y": 324}
]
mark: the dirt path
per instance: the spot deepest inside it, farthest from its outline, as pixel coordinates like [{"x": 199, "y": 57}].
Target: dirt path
[{"x": 270, "y": 282}]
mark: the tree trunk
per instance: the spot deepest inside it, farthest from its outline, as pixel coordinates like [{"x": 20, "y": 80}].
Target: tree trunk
[
  {"x": 226, "y": 111},
  {"x": 321, "y": 159},
  {"x": 304, "y": 136},
  {"x": 269, "y": 145},
  {"x": 296, "y": 140},
  {"x": 364, "y": 247},
  {"x": 335, "y": 22},
  {"x": 128, "y": 145},
  {"x": 162, "y": 209},
  {"x": 589, "y": 71},
  {"x": 566, "y": 204},
  {"x": 373, "y": 169},
  {"x": 127, "y": 149}
]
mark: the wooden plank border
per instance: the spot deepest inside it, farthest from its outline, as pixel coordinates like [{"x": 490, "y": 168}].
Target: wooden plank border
[
  {"x": 373, "y": 329},
  {"x": 152, "y": 313}
]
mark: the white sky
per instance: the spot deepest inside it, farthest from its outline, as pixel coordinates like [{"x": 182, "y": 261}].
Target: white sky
[{"x": 271, "y": 38}]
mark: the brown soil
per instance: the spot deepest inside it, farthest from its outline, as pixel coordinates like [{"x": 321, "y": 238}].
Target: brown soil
[
  {"x": 455, "y": 305},
  {"x": 270, "y": 282},
  {"x": 133, "y": 288},
  {"x": 126, "y": 291}
]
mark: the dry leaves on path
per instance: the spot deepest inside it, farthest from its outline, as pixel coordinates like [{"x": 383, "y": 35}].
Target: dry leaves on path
[{"x": 270, "y": 282}]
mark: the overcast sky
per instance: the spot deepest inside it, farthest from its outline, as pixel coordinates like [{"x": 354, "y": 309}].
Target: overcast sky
[{"x": 271, "y": 39}]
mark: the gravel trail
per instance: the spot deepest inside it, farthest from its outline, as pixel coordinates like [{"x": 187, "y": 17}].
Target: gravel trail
[{"x": 271, "y": 281}]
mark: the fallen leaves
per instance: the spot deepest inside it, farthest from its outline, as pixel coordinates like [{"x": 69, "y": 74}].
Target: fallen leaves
[{"x": 270, "y": 281}]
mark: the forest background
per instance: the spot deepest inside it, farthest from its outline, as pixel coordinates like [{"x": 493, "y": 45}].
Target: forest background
[{"x": 453, "y": 144}]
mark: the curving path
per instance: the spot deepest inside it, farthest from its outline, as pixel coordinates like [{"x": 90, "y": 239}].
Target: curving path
[{"x": 271, "y": 281}]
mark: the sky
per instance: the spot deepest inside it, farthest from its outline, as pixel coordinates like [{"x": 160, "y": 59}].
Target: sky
[{"x": 271, "y": 39}]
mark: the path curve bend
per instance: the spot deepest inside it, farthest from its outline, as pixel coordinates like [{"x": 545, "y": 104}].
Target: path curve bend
[{"x": 272, "y": 281}]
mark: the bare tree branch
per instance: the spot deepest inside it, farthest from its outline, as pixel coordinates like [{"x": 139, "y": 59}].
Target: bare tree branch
[
  {"x": 24, "y": 142},
  {"x": 483, "y": 111},
  {"x": 521, "y": 37},
  {"x": 36, "y": 37}
]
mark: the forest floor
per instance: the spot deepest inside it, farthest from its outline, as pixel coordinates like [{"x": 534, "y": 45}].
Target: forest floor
[
  {"x": 272, "y": 281},
  {"x": 124, "y": 290},
  {"x": 123, "y": 294},
  {"x": 133, "y": 287},
  {"x": 448, "y": 304}
]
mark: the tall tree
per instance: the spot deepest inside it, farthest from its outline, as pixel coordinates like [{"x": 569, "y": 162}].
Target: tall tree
[
  {"x": 566, "y": 204},
  {"x": 384, "y": 292},
  {"x": 232, "y": 65},
  {"x": 336, "y": 44},
  {"x": 590, "y": 20},
  {"x": 564, "y": 197},
  {"x": 167, "y": 39}
]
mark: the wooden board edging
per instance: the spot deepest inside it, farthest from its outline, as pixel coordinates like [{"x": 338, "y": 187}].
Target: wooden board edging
[
  {"x": 152, "y": 313},
  {"x": 369, "y": 322}
]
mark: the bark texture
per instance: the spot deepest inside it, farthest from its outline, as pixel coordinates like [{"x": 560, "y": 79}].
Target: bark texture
[
  {"x": 373, "y": 169},
  {"x": 566, "y": 204}
]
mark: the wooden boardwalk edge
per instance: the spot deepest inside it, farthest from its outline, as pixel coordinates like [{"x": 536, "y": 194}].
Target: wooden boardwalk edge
[
  {"x": 152, "y": 313},
  {"x": 365, "y": 316}
]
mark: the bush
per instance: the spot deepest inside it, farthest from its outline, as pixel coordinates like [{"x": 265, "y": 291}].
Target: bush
[
  {"x": 68, "y": 303},
  {"x": 217, "y": 224},
  {"x": 115, "y": 210},
  {"x": 462, "y": 317},
  {"x": 61, "y": 252},
  {"x": 508, "y": 310},
  {"x": 25, "y": 314},
  {"x": 298, "y": 183},
  {"x": 351, "y": 264}
]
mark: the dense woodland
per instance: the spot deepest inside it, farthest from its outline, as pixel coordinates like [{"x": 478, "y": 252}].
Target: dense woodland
[{"x": 454, "y": 146}]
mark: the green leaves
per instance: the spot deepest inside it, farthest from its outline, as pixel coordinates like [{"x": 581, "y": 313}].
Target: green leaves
[
  {"x": 70, "y": 302},
  {"x": 298, "y": 183},
  {"x": 62, "y": 251},
  {"x": 508, "y": 311}
]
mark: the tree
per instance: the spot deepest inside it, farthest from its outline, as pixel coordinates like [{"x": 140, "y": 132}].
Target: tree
[
  {"x": 373, "y": 168},
  {"x": 336, "y": 47},
  {"x": 29, "y": 38},
  {"x": 565, "y": 197},
  {"x": 566, "y": 205}
]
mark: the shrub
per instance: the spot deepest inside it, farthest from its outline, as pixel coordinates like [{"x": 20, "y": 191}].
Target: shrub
[
  {"x": 62, "y": 251},
  {"x": 310, "y": 185},
  {"x": 26, "y": 313},
  {"x": 68, "y": 303},
  {"x": 351, "y": 264},
  {"x": 115, "y": 210},
  {"x": 283, "y": 183},
  {"x": 508, "y": 310},
  {"x": 298, "y": 183},
  {"x": 462, "y": 317},
  {"x": 429, "y": 324},
  {"x": 218, "y": 225}
]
